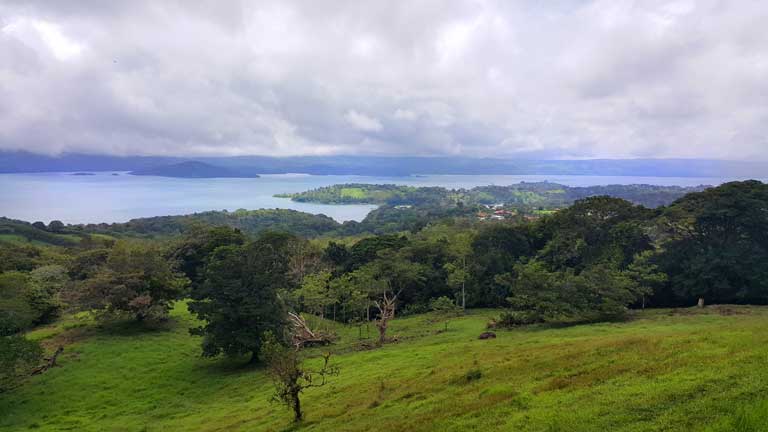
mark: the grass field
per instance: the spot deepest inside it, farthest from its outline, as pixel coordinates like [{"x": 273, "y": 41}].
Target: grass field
[{"x": 682, "y": 370}]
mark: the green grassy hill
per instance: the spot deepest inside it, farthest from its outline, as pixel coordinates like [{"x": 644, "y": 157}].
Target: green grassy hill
[{"x": 672, "y": 370}]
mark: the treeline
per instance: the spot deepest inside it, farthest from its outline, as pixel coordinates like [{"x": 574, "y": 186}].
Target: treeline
[
  {"x": 543, "y": 194},
  {"x": 55, "y": 233},
  {"x": 249, "y": 221}
]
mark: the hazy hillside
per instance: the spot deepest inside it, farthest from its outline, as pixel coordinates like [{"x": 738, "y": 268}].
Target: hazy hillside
[{"x": 11, "y": 162}]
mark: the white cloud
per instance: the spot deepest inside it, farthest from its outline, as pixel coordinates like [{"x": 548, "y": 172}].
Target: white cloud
[
  {"x": 405, "y": 114},
  {"x": 363, "y": 122},
  {"x": 33, "y": 31},
  {"x": 594, "y": 78}
]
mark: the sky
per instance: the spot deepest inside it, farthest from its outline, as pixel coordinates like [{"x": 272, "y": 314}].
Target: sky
[{"x": 553, "y": 79}]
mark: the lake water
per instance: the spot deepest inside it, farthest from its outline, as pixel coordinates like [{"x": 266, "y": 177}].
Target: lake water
[{"x": 104, "y": 197}]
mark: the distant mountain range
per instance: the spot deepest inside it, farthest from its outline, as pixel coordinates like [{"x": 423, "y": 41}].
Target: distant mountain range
[{"x": 251, "y": 166}]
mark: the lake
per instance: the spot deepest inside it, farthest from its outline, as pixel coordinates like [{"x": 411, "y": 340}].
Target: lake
[{"x": 104, "y": 197}]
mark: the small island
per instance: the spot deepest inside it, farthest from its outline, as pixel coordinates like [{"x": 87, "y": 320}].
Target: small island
[{"x": 82, "y": 174}]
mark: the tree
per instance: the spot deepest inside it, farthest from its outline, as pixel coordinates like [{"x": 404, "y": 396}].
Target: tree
[
  {"x": 461, "y": 251},
  {"x": 290, "y": 376},
  {"x": 136, "y": 280},
  {"x": 352, "y": 291},
  {"x": 198, "y": 243},
  {"x": 445, "y": 307},
  {"x": 17, "y": 257},
  {"x": 457, "y": 279},
  {"x": 337, "y": 255},
  {"x": 305, "y": 258},
  {"x": 18, "y": 356},
  {"x": 596, "y": 294},
  {"x": 386, "y": 306},
  {"x": 367, "y": 249},
  {"x": 397, "y": 274},
  {"x": 56, "y": 226},
  {"x": 86, "y": 264},
  {"x": 315, "y": 292},
  {"x": 16, "y": 313},
  {"x": 593, "y": 230},
  {"x": 646, "y": 275},
  {"x": 238, "y": 299},
  {"x": 496, "y": 249},
  {"x": 46, "y": 285},
  {"x": 717, "y": 244}
]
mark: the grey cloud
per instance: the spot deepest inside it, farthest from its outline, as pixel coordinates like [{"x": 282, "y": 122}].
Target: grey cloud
[{"x": 601, "y": 78}]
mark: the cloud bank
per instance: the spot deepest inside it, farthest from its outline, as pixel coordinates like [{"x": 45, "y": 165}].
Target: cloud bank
[{"x": 555, "y": 79}]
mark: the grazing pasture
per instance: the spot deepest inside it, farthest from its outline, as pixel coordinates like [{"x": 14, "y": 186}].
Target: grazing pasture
[{"x": 666, "y": 369}]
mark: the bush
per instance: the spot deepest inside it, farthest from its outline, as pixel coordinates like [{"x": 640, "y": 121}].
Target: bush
[
  {"x": 414, "y": 309},
  {"x": 445, "y": 306},
  {"x": 517, "y": 318}
]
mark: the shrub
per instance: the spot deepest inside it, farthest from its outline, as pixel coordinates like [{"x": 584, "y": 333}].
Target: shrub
[{"x": 517, "y": 318}]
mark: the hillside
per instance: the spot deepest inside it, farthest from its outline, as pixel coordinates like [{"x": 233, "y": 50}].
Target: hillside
[
  {"x": 193, "y": 169},
  {"x": 673, "y": 370}
]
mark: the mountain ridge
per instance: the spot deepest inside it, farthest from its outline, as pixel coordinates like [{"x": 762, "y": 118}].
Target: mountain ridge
[{"x": 394, "y": 166}]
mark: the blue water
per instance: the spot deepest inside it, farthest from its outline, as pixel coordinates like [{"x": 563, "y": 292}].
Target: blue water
[{"x": 106, "y": 198}]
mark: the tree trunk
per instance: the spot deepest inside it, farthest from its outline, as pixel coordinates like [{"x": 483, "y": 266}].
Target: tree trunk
[
  {"x": 382, "y": 326},
  {"x": 297, "y": 415},
  {"x": 50, "y": 362},
  {"x": 254, "y": 358},
  {"x": 701, "y": 302},
  {"x": 463, "y": 298}
]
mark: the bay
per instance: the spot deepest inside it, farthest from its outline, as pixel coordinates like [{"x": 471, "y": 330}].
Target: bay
[{"x": 105, "y": 197}]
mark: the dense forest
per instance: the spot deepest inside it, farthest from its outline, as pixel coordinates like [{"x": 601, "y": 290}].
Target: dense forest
[{"x": 244, "y": 271}]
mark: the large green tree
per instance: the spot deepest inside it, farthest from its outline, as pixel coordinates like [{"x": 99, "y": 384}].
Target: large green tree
[
  {"x": 198, "y": 243},
  {"x": 238, "y": 299},
  {"x": 718, "y": 244},
  {"x": 594, "y": 230},
  {"x": 46, "y": 284},
  {"x": 495, "y": 250}
]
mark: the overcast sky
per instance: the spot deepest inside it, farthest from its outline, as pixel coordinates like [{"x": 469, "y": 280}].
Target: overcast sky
[{"x": 541, "y": 79}]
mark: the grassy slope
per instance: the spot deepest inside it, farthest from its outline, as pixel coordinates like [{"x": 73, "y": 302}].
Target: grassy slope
[{"x": 663, "y": 371}]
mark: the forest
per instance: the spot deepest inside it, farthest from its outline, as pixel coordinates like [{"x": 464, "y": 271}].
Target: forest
[{"x": 257, "y": 282}]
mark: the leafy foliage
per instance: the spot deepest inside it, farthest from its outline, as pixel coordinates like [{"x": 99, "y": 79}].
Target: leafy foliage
[
  {"x": 18, "y": 356},
  {"x": 718, "y": 247},
  {"x": 238, "y": 299},
  {"x": 135, "y": 280}
]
